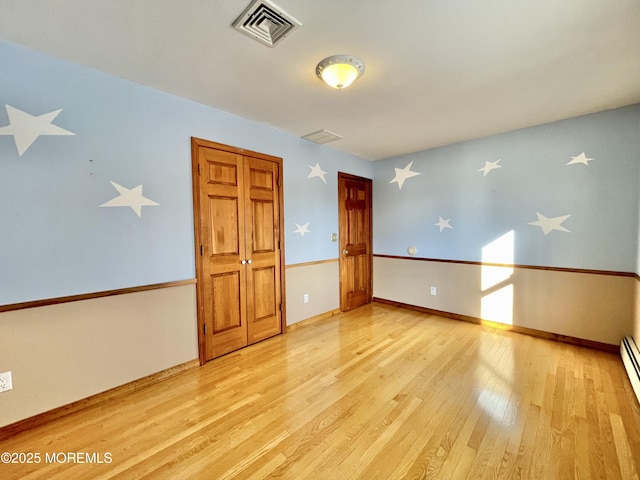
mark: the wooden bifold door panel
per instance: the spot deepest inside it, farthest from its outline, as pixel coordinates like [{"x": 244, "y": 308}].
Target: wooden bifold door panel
[{"x": 238, "y": 216}]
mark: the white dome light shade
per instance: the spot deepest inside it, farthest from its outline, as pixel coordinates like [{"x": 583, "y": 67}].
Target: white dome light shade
[{"x": 339, "y": 71}]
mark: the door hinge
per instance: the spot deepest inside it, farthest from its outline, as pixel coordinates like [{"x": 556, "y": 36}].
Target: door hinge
[
  {"x": 279, "y": 184},
  {"x": 201, "y": 250},
  {"x": 198, "y": 169},
  {"x": 205, "y": 328}
]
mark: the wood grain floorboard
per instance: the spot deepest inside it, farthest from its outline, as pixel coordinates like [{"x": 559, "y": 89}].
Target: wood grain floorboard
[{"x": 377, "y": 393}]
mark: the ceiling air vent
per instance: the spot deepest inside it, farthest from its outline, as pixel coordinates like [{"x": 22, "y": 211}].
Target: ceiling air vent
[
  {"x": 322, "y": 136},
  {"x": 266, "y": 22}
]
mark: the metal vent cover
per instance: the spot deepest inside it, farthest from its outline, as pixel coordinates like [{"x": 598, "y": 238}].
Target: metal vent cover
[
  {"x": 322, "y": 136},
  {"x": 266, "y": 22}
]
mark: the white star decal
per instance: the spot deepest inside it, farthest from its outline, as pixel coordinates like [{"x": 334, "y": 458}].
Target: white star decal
[
  {"x": 550, "y": 224},
  {"x": 488, "y": 166},
  {"x": 26, "y": 128},
  {"x": 402, "y": 174},
  {"x": 130, "y": 198},
  {"x": 316, "y": 171},
  {"x": 302, "y": 229},
  {"x": 443, "y": 223},
  {"x": 582, "y": 158}
]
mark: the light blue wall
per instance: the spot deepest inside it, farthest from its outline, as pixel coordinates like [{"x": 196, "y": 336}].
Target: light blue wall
[
  {"x": 601, "y": 197},
  {"x": 56, "y": 241}
]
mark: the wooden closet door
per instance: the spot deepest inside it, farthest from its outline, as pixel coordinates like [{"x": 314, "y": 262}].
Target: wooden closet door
[
  {"x": 239, "y": 263},
  {"x": 222, "y": 219},
  {"x": 262, "y": 241}
]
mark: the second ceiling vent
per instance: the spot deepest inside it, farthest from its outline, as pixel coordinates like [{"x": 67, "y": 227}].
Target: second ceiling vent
[{"x": 266, "y": 22}]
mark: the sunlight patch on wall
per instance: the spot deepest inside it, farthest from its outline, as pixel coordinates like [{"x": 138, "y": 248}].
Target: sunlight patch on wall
[
  {"x": 498, "y": 306},
  {"x": 495, "y": 282}
]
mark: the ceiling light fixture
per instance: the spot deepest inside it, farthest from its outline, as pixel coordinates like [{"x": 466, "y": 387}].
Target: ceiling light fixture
[{"x": 339, "y": 71}]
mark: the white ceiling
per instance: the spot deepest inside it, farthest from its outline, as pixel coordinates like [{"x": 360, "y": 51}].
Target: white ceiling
[{"x": 437, "y": 71}]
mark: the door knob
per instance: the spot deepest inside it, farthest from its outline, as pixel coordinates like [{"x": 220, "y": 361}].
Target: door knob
[
  {"x": 249, "y": 261},
  {"x": 243, "y": 262},
  {"x": 345, "y": 252}
]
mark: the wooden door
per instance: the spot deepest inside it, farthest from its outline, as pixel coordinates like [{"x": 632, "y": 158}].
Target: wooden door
[
  {"x": 262, "y": 248},
  {"x": 237, "y": 209},
  {"x": 354, "y": 200}
]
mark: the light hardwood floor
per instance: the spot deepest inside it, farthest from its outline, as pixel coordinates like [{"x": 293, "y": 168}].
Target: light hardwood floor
[{"x": 377, "y": 393}]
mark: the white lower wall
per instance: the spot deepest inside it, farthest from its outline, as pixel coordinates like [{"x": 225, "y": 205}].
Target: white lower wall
[
  {"x": 582, "y": 305},
  {"x": 636, "y": 322},
  {"x": 62, "y": 353},
  {"x": 321, "y": 281}
]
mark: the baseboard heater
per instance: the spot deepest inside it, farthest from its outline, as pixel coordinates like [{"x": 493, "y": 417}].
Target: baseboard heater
[{"x": 631, "y": 360}]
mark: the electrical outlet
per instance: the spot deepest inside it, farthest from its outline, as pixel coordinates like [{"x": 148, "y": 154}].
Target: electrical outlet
[
  {"x": 433, "y": 290},
  {"x": 305, "y": 298},
  {"x": 5, "y": 382}
]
